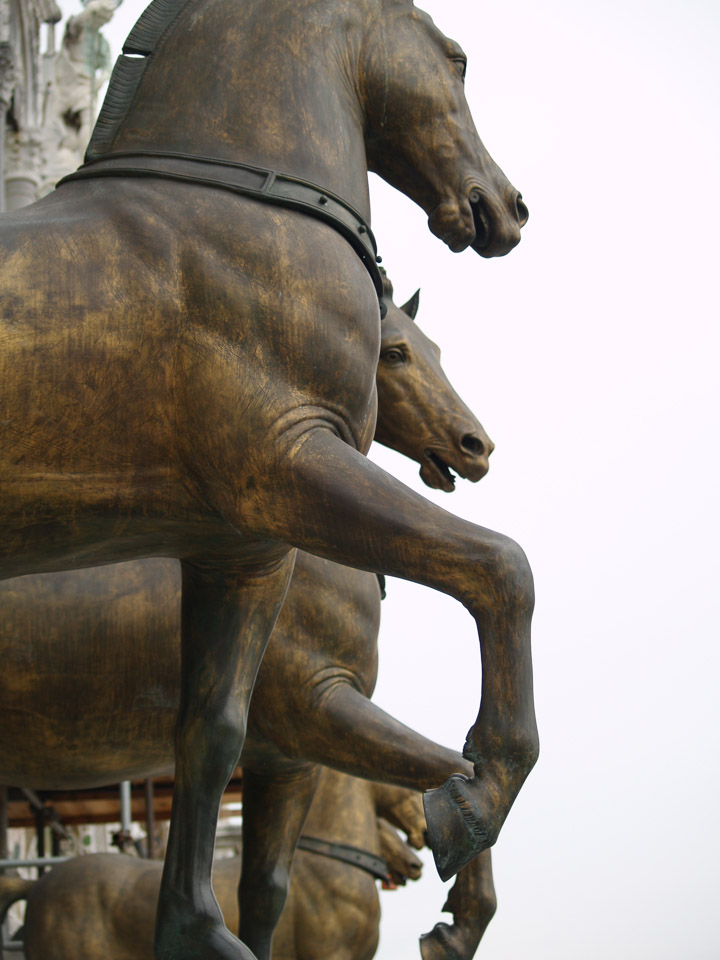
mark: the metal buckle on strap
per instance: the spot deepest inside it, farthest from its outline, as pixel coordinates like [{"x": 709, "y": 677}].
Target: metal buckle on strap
[{"x": 269, "y": 181}]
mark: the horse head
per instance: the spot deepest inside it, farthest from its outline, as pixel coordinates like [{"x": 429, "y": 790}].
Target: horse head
[
  {"x": 421, "y": 138},
  {"x": 419, "y": 413},
  {"x": 318, "y": 91}
]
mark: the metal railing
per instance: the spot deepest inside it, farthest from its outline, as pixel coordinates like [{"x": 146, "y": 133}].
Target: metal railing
[
  {"x": 52, "y": 821},
  {"x": 47, "y": 817},
  {"x": 33, "y": 862}
]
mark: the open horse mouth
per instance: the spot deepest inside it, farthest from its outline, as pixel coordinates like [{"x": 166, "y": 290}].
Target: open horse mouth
[{"x": 436, "y": 473}]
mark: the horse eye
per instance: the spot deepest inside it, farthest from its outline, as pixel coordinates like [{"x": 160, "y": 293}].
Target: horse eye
[
  {"x": 393, "y": 356},
  {"x": 461, "y": 66}
]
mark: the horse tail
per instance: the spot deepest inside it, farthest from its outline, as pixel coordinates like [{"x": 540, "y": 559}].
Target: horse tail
[{"x": 11, "y": 890}]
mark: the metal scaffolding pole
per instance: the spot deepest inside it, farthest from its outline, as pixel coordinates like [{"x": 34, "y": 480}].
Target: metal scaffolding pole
[
  {"x": 4, "y": 847},
  {"x": 125, "y": 807},
  {"x": 150, "y": 818}
]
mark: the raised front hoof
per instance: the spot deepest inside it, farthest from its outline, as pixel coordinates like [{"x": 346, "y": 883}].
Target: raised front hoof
[
  {"x": 455, "y": 833},
  {"x": 445, "y": 942},
  {"x": 199, "y": 939}
]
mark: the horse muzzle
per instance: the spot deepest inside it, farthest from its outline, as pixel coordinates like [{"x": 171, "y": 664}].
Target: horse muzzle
[
  {"x": 439, "y": 466},
  {"x": 497, "y": 223}
]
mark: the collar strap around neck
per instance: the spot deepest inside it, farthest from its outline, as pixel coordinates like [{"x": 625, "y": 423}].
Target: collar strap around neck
[{"x": 266, "y": 185}]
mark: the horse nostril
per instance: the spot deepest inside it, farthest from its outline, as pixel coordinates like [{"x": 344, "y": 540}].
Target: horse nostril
[
  {"x": 522, "y": 211},
  {"x": 472, "y": 444}
]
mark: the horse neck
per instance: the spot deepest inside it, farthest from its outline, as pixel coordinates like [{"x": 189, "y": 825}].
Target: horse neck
[
  {"x": 343, "y": 811},
  {"x": 272, "y": 85}
]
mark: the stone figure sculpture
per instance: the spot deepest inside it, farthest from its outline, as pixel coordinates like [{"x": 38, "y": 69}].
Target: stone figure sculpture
[
  {"x": 102, "y": 906},
  {"x": 81, "y": 67},
  {"x": 192, "y": 374},
  {"x": 22, "y": 97},
  {"x": 99, "y": 648}
]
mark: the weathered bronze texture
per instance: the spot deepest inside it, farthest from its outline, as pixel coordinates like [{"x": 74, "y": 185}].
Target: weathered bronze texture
[
  {"x": 190, "y": 374},
  {"x": 268, "y": 186},
  {"x": 99, "y": 650},
  {"x": 102, "y": 906}
]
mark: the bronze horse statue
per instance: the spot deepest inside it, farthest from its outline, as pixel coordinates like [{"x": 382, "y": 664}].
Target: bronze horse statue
[
  {"x": 97, "y": 654},
  {"x": 102, "y": 906},
  {"x": 190, "y": 333}
]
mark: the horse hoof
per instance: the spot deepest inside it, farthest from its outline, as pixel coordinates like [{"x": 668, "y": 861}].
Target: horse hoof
[
  {"x": 437, "y": 945},
  {"x": 194, "y": 936},
  {"x": 455, "y": 833}
]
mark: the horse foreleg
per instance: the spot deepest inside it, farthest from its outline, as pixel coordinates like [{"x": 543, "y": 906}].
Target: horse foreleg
[
  {"x": 329, "y": 500},
  {"x": 274, "y": 811},
  {"x": 472, "y": 903},
  {"x": 370, "y": 743},
  {"x": 366, "y": 741},
  {"x": 352, "y": 734},
  {"x": 227, "y": 617},
  {"x": 472, "y": 899}
]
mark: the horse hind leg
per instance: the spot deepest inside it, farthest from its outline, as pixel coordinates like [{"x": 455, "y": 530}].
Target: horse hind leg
[
  {"x": 274, "y": 811},
  {"x": 355, "y": 513},
  {"x": 227, "y": 618}
]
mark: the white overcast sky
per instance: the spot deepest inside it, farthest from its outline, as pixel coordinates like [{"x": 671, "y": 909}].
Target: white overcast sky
[{"x": 590, "y": 354}]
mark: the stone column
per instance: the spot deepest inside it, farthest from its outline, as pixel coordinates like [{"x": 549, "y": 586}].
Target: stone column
[
  {"x": 22, "y": 174},
  {"x": 7, "y": 83}
]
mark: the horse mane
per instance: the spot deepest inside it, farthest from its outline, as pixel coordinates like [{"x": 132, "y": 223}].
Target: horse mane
[
  {"x": 144, "y": 39},
  {"x": 157, "y": 18}
]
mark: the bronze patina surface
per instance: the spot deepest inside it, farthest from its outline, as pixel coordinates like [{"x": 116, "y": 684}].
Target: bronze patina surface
[
  {"x": 102, "y": 906},
  {"x": 189, "y": 374},
  {"x": 92, "y": 683}
]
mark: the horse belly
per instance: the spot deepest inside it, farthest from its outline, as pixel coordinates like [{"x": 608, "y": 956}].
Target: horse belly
[{"x": 90, "y": 683}]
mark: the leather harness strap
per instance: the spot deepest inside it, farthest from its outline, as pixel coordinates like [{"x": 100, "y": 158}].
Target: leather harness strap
[
  {"x": 369, "y": 862},
  {"x": 266, "y": 185}
]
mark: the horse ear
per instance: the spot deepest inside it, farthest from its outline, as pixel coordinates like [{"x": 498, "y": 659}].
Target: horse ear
[{"x": 411, "y": 307}]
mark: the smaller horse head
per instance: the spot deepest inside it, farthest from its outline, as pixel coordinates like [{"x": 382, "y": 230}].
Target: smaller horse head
[
  {"x": 419, "y": 413},
  {"x": 421, "y": 138}
]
